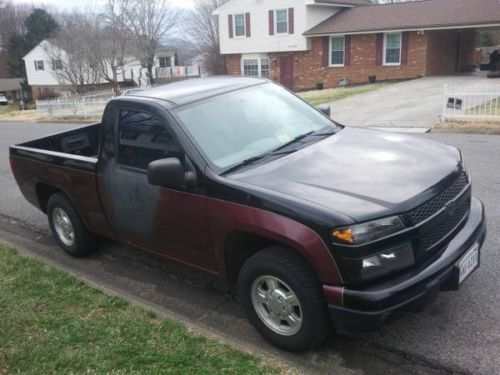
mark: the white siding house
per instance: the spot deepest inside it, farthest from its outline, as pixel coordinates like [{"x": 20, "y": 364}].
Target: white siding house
[
  {"x": 255, "y": 30},
  {"x": 41, "y": 69}
]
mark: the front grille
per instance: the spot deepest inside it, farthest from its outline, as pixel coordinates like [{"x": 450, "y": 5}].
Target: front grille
[
  {"x": 439, "y": 232},
  {"x": 433, "y": 205}
]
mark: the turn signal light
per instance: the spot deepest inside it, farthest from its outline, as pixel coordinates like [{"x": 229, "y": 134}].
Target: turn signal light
[{"x": 344, "y": 235}]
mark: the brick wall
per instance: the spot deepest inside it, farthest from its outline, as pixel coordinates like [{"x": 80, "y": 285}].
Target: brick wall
[
  {"x": 430, "y": 53},
  {"x": 309, "y": 68}
]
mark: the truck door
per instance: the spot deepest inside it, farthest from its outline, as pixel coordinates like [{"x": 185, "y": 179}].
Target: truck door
[{"x": 172, "y": 223}]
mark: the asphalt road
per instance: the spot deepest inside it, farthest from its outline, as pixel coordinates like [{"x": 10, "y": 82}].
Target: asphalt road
[{"x": 459, "y": 333}]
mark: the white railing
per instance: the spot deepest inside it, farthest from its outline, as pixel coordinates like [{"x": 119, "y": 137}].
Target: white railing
[
  {"x": 93, "y": 103},
  {"x": 476, "y": 103},
  {"x": 90, "y": 104},
  {"x": 178, "y": 72}
]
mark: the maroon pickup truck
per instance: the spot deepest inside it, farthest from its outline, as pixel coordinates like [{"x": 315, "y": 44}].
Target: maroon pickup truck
[{"x": 322, "y": 226}]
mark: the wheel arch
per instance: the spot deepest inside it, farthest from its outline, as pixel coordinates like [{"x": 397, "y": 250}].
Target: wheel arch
[{"x": 240, "y": 245}]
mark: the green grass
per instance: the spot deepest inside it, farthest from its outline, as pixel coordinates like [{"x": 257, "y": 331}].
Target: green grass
[
  {"x": 52, "y": 323},
  {"x": 317, "y": 97},
  {"x": 4, "y": 109}
]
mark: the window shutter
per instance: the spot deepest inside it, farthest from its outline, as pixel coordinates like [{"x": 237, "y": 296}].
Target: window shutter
[
  {"x": 347, "y": 47},
  {"x": 247, "y": 24},
  {"x": 290, "y": 21},
  {"x": 230, "y": 25},
  {"x": 380, "y": 48},
  {"x": 271, "y": 22},
  {"x": 405, "y": 47},
  {"x": 326, "y": 51}
]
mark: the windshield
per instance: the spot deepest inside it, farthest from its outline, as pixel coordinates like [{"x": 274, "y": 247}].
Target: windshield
[{"x": 239, "y": 125}]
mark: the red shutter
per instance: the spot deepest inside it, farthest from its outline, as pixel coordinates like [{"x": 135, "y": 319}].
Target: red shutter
[
  {"x": 347, "y": 47},
  {"x": 230, "y": 25},
  {"x": 326, "y": 51},
  {"x": 405, "y": 47},
  {"x": 271, "y": 22},
  {"x": 247, "y": 24},
  {"x": 380, "y": 48},
  {"x": 290, "y": 21}
]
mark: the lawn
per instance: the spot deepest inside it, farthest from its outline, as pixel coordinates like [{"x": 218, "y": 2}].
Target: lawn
[
  {"x": 12, "y": 113},
  {"x": 317, "y": 97},
  {"x": 52, "y": 323}
]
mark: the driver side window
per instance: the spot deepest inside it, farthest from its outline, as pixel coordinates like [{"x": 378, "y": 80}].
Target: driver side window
[{"x": 143, "y": 139}]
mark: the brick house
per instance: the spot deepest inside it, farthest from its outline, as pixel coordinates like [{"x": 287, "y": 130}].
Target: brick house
[{"x": 303, "y": 43}]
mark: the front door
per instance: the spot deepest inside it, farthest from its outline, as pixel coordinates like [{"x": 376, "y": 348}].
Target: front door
[
  {"x": 166, "y": 221},
  {"x": 286, "y": 71}
]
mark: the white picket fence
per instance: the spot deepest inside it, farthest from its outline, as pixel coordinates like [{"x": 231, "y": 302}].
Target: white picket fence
[
  {"x": 90, "y": 104},
  {"x": 476, "y": 103},
  {"x": 179, "y": 72}
]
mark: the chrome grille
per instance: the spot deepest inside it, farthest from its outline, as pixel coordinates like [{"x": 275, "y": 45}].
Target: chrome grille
[{"x": 433, "y": 205}]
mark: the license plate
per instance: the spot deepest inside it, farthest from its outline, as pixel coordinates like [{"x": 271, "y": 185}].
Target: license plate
[{"x": 468, "y": 263}]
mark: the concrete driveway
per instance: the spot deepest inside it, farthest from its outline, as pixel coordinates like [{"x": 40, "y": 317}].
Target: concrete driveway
[
  {"x": 458, "y": 334},
  {"x": 410, "y": 104}
]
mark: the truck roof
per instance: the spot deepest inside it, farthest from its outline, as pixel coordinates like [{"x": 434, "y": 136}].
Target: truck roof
[{"x": 191, "y": 90}]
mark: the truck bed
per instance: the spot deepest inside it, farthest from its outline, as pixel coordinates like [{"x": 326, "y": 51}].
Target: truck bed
[
  {"x": 65, "y": 162},
  {"x": 83, "y": 141}
]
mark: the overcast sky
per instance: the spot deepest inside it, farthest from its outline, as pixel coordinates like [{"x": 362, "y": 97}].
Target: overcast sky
[{"x": 69, "y": 4}]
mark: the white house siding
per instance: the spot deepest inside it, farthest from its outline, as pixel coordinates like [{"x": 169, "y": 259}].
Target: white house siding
[
  {"x": 305, "y": 17},
  {"x": 48, "y": 77},
  {"x": 44, "y": 77}
]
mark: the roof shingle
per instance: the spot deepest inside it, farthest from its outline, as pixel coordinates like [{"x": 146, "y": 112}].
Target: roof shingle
[{"x": 423, "y": 15}]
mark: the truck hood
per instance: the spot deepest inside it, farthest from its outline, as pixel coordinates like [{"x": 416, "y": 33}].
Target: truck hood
[{"x": 361, "y": 173}]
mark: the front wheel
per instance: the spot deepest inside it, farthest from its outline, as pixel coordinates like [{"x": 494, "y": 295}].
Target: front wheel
[
  {"x": 283, "y": 299},
  {"x": 68, "y": 228}
]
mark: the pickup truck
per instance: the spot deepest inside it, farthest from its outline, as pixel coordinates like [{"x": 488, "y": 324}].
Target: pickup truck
[{"x": 323, "y": 227}]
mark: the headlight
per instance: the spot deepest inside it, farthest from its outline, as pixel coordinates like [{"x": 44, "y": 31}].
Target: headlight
[
  {"x": 367, "y": 232},
  {"x": 390, "y": 260}
]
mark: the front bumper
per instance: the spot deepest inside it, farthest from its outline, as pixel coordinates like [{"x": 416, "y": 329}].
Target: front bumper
[{"x": 367, "y": 309}]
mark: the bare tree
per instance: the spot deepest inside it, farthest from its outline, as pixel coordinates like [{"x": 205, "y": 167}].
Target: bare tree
[
  {"x": 12, "y": 18},
  {"x": 149, "y": 21},
  {"x": 203, "y": 27},
  {"x": 111, "y": 42},
  {"x": 71, "y": 52}
]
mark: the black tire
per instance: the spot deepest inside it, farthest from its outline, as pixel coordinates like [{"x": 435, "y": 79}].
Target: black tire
[
  {"x": 84, "y": 242},
  {"x": 291, "y": 268}
]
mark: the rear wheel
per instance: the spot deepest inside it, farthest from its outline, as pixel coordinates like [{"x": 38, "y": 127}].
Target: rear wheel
[
  {"x": 68, "y": 228},
  {"x": 283, "y": 299}
]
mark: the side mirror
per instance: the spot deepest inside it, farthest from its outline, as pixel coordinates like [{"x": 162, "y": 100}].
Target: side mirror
[
  {"x": 325, "y": 109},
  {"x": 167, "y": 172}
]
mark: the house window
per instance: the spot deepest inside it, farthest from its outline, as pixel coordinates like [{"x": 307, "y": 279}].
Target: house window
[
  {"x": 164, "y": 61},
  {"x": 239, "y": 26},
  {"x": 56, "y": 64},
  {"x": 392, "y": 49},
  {"x": 281, "y": 21},
  {"x": 251, "y": 67},
  {"x": 39, "y": 65},
  {"x": 337, "y": 51},
  {"x": 258, "y": 67},
  {"x": 264, "y": 68}
]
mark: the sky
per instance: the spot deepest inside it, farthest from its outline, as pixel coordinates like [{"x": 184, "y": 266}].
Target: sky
[{"x": 71, "y": 4}]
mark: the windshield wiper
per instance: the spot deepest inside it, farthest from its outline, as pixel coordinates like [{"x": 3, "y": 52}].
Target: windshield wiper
[
  {"x": 296, "y": 139},
  {"x": 276, "y": 151},
  {"x": 245, "y": 162}
]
